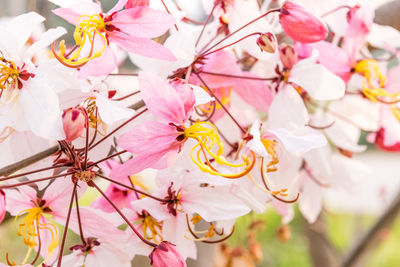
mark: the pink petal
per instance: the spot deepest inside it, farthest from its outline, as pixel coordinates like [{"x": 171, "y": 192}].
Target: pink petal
[
  {"x": 161, "y": 99},
  {"x": 143, "y": 22},
  {"x": 142, "y": 46},
  {"x": 118, "y": 6},
  {"x": 100, "y": 66},
  {"x": 256, "y": 93},
  {"x": 72, "y": 13},
  {"x": 221, "y": 62},
  {"x": 19, "y": 200}
]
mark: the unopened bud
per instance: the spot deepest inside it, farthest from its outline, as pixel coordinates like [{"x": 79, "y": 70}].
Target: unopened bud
[
  {"x": 74, "y": 123},
  {"x": 267, "y": 42},
  {"x": 288, "y": 56},
  {"x": 166, "y": 255},
  {"x": 284, "y": 233},
  {"x": 301, "y": 25}
]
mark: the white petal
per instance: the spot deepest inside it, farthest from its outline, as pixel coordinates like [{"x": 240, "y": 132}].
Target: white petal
[
  {"x": 46, "y": 39},
  {"x": 213, "y": 204},
  {"x": 287, "y": 110},
  {"x": 310, "y": 202},
  {"x": 41, "y": 110},
  {"x": 201, "y": 96},
  {"x": 255, "y": 144},
  {"x": 299, "y": 143},
  {"x": 24, "y": 25},
  {"x": 317, "y": 80},
  {"x": 112, "y": 111}
]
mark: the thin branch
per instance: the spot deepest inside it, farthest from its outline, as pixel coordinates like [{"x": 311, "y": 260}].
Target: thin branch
[
  {"x": 371, "y": 239},
  {"x": 66, "y": 226},
  {"x": 28, "y": 161}
]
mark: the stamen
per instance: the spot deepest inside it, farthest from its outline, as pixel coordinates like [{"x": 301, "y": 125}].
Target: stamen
[
  {"x": 373, "y": 85},
  {"x": 208, "y": 138},
  {"x": 86, "y": 29}
]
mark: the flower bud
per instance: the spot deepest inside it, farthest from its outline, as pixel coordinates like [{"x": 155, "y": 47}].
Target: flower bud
[
  {"x": 288, "y": 56},
  {"x": 2, "y": 205},
  {"x": 284, "y": 233},
  {"x": 74, "y": 123},
  {"x": 267, "y": 42},
  {"x": 166, "y": 255},
  {"x": 301, "y": 25}
]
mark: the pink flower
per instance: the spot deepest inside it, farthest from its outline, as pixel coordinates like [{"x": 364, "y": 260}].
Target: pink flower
[
  {"x": 131, "y": 29},
  {"x": 74, "y": 123},
  {"x": 300, "y": 24},
  {"x": 256, "y": 93},
  {"x": 156, "y": 143},
  {"x": 166, "y": 255}
]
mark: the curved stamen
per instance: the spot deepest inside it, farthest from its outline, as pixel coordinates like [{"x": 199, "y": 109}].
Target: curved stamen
[{"x": 205, "y": 239}]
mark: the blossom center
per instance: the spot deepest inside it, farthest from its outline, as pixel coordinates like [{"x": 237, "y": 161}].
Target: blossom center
[{"x": 12, "y": 76}]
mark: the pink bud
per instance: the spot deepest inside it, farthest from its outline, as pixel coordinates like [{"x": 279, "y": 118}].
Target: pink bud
[
  {"x": 2, "y": 205},
  {"x": 135, "y": 3},
  {"x": 288, "y": 56},
  {"x": 74, "y": 123},
  {"x": 267, "y": 42},
  {"x": 166, "y": 255},
  {"x": 301, "y": 25}
]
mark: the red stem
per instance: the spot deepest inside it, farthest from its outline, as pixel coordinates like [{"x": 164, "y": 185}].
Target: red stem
[
  {"x": 66, "y": 226},
  {"x": 219, "y": 102},
  {"x": 244, "y": 26},
  {"x": 123, "y": 216},
  {"x": 106, "y": 158},
  {"x": 228, "y": 45},
  {"x": 119, "y": 127},
  {"x": 131, "y": 188},
  {"x": 205, "y": 24},
  {"x": 237, "y": 76},
  {"x": 37, "y": 180}
]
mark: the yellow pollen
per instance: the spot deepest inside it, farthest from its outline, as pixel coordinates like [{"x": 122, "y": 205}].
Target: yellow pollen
[
  {"x": 374, "y": 82},
  {"x": 8, "y": 74},
  {"x": 95, "y": 121},
  {"x": 30, "y": 225},
  {"x": 207, "y": 139},
  {"x": 152, "y": 229},
  {"x": 195, "y": 219},
  {"x": 271, "y": 150},
  {"x": 86, "y": 29},
  {"x": 225, "y": 99}
]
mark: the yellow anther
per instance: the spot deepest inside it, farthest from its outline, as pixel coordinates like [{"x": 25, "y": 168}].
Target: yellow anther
[
  {"x": 29, "y": 225},
  {"x": 195, "y": 219},
  {"x": 271, "y": 150},
  {"x": 9, "y": 74},
  {"x": 373, "y": 85},
  {"x": 225, "y": 99},
  {"x": 210, "y": 233},
  {"x": 152, "y": 229},
  {"x": 87, "y": 27},
  {"x": 208, "y": 139},
  {"x": 136, "y": 182}
]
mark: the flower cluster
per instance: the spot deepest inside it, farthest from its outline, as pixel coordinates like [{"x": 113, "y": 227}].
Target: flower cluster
[{"x": 256, "y": 107}]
